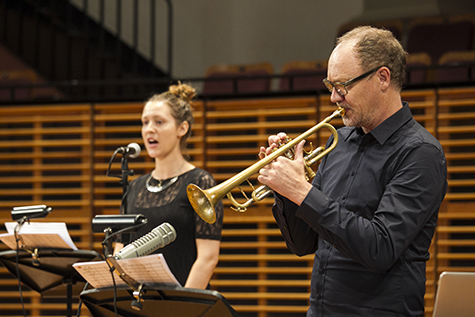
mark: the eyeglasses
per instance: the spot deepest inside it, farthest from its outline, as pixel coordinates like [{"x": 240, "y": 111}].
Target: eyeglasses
[{"x": 341, "y": 87}]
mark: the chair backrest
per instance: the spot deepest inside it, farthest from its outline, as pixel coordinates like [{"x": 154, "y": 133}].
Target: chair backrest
[
  {"x": 303, "y": 75},
  {"x": 393, "y": 25},
  {"x": 417, "y": 68},
  {"x": 231, "y": 79},
  {"x": 460, "y": 66}
]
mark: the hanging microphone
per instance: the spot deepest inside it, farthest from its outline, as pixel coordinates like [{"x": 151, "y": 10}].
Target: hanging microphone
[
  {"x": 132, "y": 150},
  {"x": 159, "y": 237}
]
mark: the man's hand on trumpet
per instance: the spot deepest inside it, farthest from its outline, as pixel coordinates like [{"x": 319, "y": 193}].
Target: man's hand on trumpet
[{"x": 285, "y": 176}]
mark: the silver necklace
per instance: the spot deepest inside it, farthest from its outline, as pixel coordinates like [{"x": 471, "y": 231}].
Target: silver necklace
[{"x": 162, "y": 184}]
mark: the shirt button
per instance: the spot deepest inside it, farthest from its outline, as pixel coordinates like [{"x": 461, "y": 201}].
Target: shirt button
[
  {"x": 319, "y": 296},
  {"x": 343, "y": 198},
  {"x": 353, "y": 173},
  {"x": 321, "y": 271}
]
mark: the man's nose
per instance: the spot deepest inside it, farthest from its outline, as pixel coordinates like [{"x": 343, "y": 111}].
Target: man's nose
[{"x": 335, "y": 96}]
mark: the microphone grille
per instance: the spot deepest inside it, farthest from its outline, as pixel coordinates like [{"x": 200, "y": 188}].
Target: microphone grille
[
  {"x": 164, "y": 233},
  {"x": 137, "y": 149},
  {"x": 167, "y": 232}
]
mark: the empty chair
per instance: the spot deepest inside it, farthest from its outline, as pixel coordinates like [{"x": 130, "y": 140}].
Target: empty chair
[
  {"x": 303, "y": 76},
  {"x": 438, "y": 35},
  {"x": 220, "y": 85},
  {"x": 232, "y": 79},
  {"x": 456, "y": 66},
  {"x": 417, "y": 68},
  {"x": 8, "y": 79}
]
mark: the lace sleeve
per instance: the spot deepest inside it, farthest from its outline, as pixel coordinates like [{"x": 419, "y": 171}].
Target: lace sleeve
[{"x": 206, "y": 230}]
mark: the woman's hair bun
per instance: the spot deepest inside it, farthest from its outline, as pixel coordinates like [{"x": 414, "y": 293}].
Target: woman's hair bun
[{"x": 183, "y": 91}]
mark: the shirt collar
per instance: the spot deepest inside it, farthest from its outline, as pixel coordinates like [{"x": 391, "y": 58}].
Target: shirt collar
[{"x": 383, "y": 131}]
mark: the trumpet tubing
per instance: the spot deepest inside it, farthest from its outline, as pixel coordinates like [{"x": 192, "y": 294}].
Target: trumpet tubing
[{"x": 204, "y": 201}]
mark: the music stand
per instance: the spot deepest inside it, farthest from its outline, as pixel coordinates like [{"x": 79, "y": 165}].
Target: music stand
[
  {"x": 54, "y": 272},
  {"x": 160, "y": 300}
]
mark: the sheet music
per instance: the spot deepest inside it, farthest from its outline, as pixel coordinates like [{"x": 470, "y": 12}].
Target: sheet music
[
  {"x": 36, "y": 240},
  {"x": 39, "y": 235},
  {"x": 150, "y": 269}
]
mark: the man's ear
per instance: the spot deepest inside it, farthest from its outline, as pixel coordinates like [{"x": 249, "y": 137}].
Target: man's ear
[
  {"x": 183, "y": 128},
  {"x": 384, "y": 76}
]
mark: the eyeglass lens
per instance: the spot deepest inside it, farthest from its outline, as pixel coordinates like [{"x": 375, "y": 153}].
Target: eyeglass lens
[{"x": 340, "y": 88}]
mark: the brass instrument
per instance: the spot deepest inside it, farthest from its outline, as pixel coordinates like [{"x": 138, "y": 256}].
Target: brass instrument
[{"x": 204, "y": 201}]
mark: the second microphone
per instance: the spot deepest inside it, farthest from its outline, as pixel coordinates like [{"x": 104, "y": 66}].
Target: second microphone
[{"x": 159, "y": 237}]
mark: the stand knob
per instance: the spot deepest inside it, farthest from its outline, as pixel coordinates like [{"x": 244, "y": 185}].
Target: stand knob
[{"x": 136, "y": 305}]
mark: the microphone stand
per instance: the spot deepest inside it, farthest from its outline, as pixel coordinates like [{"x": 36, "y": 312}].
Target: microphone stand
[
  {"x": 125, "y": 181},
  {"x": 125, "y": 173}
]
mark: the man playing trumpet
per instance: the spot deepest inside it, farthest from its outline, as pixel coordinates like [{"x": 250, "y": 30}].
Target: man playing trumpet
[{"x": 370, "y": 212}]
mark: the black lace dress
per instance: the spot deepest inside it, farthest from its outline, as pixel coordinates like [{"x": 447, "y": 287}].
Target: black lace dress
[{"x": 171, "y": 205}]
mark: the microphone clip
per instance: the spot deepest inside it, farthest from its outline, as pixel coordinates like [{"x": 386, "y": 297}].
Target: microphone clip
[{"x": 112, "y": 225}]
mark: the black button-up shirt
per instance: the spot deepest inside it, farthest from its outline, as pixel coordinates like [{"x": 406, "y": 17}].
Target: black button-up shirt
[{"x": 370, "y": 218}]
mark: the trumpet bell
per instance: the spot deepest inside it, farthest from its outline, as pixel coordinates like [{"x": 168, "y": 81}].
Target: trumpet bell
[{"x": 201, "y": 203}]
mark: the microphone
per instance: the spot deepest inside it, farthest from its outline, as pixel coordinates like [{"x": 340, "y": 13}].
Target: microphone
[
  {"x": 132, "y": 150},
  {"x": 159, "y": 237}
]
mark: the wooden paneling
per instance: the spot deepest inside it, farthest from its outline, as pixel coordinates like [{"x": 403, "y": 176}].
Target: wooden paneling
[
  {"x": 456, "y": 226},
  {"x": 59, "y": 154}
]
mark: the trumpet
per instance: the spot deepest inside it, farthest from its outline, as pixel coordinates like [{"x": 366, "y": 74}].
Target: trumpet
[{"x": 205, "y": 201}]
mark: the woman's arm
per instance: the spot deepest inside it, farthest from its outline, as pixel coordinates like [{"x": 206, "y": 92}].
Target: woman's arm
[{"x": 202, "y": 269}]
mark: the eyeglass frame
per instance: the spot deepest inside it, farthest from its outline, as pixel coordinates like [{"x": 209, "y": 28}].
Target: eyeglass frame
[{"x": 326, "y": 82}]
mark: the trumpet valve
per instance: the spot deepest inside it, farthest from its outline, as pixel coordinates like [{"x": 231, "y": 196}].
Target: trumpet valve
[{"x": 309, "y": 173}]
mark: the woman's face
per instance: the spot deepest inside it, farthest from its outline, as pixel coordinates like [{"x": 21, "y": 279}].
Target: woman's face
[{"x": 160, "y": 131}]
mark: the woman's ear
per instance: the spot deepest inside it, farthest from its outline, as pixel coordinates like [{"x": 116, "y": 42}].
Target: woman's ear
[{"x": 183, "y": 128}]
